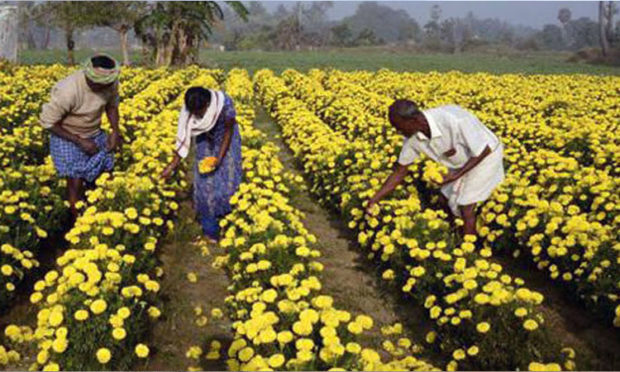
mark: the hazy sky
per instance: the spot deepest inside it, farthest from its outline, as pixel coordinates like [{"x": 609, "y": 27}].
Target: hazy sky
[{"x": 528, "y": 13}]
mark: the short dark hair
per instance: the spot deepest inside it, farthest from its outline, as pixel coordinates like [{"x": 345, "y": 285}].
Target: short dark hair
[
  {"x": 196, "y": 98},
  {"x": 404, "y": 108},
  {"x": 103, "y": 61}
]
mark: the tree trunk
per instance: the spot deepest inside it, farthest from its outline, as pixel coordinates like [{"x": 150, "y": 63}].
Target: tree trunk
[
  {"x": 602, "y": 18},
  {"x": 124, "y": 33},
  {"x": 609, "y": 29},
  {"x": 168, "y": 53},
  {"x": 70, "y": 46},
  {"x": 30, "y": 39},
  {"x": 194, "y": 49},
  {"x": 160, "y": 54},
  {"x": 170, "y": 45},
  {"x": 184, "y": 45},
  {"x": 46, "y": 40}
]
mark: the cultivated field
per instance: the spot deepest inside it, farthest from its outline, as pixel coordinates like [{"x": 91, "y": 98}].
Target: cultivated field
[{"x": 302, "y": 279}]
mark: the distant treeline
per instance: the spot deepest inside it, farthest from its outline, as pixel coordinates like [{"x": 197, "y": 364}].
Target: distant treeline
[
  {"x": 173, "y": 32},
  {"x": 306, "y": 25}
]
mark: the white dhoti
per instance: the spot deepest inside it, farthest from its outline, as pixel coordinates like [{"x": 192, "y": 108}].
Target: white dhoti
[{"x": 477, "y": 184}]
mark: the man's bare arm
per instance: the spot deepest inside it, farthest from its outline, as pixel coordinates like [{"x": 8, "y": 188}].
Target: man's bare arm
[
  {"x": 114, "y": 140},
  {"x": 469, "y": 165},
  {"x": 395, "y": 179}
]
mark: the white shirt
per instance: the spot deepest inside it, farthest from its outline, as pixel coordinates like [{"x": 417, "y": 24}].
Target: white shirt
[{"x": 452, "y": 127}]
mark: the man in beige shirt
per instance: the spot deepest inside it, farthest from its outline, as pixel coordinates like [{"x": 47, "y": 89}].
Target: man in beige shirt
[{"x": 80, "y": 149}]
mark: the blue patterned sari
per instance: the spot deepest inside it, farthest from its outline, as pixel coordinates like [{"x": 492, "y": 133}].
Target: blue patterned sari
[{"x": 212, "y": 191}]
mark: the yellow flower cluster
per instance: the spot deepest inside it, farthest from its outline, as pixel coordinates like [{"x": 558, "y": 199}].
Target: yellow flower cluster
[
  {"x": 344, "y": 143},
  {"x": 207, "y": 165},
  {"x": 281, "y": 319},
  {"x": 8, "y": 356}
]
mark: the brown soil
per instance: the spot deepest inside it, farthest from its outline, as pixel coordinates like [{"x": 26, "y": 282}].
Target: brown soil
[{"x": 177, "y": 331}]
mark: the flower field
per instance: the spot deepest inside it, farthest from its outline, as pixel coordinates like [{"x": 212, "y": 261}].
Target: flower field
[{"x": 96, "y": 303}]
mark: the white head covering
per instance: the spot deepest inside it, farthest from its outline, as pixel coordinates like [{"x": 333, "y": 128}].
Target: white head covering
[{"x": 189, "y": 126}]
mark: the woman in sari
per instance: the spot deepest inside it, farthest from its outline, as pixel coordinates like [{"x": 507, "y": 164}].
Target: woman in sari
[{"x": 208, "y": 118}]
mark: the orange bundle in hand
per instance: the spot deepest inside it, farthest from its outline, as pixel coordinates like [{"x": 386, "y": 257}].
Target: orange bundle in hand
[{"x": 207, "y": 165}]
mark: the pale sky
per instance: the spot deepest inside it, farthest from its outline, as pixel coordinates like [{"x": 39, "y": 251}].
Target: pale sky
[{"x": 528, "y": 13}]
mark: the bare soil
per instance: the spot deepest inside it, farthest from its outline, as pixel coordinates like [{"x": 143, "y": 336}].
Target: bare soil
[{"x": 177, "y": 330}]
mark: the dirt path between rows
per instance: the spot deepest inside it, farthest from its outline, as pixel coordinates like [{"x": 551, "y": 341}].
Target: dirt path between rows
[
  {"x": 176, "y": 331},
  {"x": 348, "y": 276}
]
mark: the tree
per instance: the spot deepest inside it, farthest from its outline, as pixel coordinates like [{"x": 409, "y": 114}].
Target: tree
[
  {"x": 551, "y": 37},
  {"x": 174, "y": 30},
  {"x": 583, "y": 32},
  {"x": 288, "y": 33},
  {"x": 455, "y": 32},
  {"x": 70, "y": 16},
  {"x": 609, "y": 27},
  {"x": 366, "y": 38},
  {"x": 120, "y": 16},
  {"x": 342, "y": 35},
  {"x": 314, "y": 21},
  {"x": 564, "y": 16},
  {"x": 433, "y": 29},
  {"x": 391, "y": 25},
  {"x": 605, "y": 16}
]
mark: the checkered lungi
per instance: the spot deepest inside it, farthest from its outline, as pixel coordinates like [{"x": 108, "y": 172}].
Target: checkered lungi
[{"x": 71, "y": 161}]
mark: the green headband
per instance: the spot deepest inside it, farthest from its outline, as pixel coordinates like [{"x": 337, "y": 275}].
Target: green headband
[{"x": 101, "y": 75}]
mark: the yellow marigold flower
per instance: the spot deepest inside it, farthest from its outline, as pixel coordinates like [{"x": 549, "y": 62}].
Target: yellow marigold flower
[
  {"x": 56, "y": 318},
  {"x": 217, "y": 313},
  {"x": 103, "y": 355},
  {"x": 276, "y": 360},
  {"x": 98, "y": 306},
  {"x": 304, "y": 344},
  {"x": 459, "y": 354},
  {"x": 207, "y": 164},
  {"x": 119, "y": 333},
  {"x": 194, "y": 352},
  {"x": 285, "y": 337},
  {"x": 60, "y": 345},
  {"x": 535, "y": 366},
  {"x": 124, "y": 312},
  {"x": 530, "y": 325},
  {"x": 483, "y": 327},
  {"x": 521, "y": 312},
  {"x": 6, "y": 270},
  {"x": 154, "y": 312},
  {"x": 355, "y": 328},
  {"x": 473, "y": 350},
  {"x": 192, "y": 277},
  {"x": 202, "y": 321},
  {"x": 43, "y": 356},
  {"x": 81, "y": 315},
  {"x": 142, "y": 351},
  {"x": 353, "y": 348},
  {"x": 51, "y": 367},
  {"x": 246, "y": 354}
]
